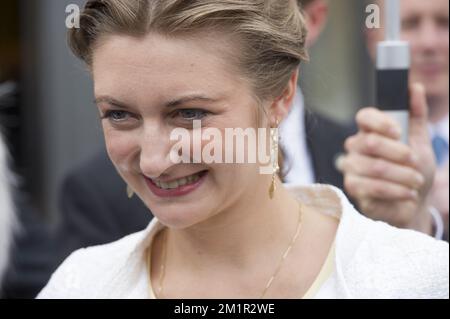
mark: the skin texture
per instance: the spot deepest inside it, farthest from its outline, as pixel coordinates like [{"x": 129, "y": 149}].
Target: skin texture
[{"x": 389, "y": 180}]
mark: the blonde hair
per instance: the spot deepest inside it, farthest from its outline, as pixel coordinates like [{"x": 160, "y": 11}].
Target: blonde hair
[{"x": 271, "y": 33}]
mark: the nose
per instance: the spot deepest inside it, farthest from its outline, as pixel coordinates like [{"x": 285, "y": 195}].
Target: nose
[
  {"x": 155, "y": 147},
  {"x": 429, "y": 37}
]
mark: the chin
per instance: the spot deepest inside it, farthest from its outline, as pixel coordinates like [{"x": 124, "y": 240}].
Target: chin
[
  {"x": 178, "y": 215},
  {"x": 175, "y": 221}
]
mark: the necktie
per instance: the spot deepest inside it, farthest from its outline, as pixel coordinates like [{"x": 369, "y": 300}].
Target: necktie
[{"x": 440, "y": 147}]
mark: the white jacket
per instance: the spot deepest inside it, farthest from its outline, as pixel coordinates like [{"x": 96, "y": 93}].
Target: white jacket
[{"x": 372, "y": 260}]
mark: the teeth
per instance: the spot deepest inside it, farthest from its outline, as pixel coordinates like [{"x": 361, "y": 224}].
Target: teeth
[
  {"x": 177, "y": 183},
  {"x": 182, "y": 181},
  {"x": 173, "y": 184}
]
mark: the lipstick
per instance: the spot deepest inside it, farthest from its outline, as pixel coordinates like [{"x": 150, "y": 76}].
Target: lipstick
[{"x": 179, "y": 191}]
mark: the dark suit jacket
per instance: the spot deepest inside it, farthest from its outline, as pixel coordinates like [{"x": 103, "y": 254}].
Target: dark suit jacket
[
  {"x": 95, "y": 209},
  {"x": 325, "y": 140},
  {"x": 32, "y": 258}
]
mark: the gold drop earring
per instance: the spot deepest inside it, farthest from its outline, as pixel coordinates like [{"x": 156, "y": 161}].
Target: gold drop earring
[
  {"x": 274, "y": 140},
  {"x": 130, "y": 192}
]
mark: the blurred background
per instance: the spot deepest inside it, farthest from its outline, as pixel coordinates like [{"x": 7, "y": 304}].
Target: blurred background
[
  {"x": 52, "y": 123},
  {"x": 46, "y": 107}
]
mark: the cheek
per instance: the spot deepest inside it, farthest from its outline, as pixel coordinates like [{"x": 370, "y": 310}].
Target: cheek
[{"x": 120, "y": 147}]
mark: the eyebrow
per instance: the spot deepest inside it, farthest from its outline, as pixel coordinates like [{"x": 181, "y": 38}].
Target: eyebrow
[
  {"x": 109, "y": 100},
  {"x": 189, "y": 98},
  {"x": 169, "y": 104}
]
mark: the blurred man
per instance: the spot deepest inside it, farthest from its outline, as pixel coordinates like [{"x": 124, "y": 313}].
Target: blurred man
[{"x": 391, "y": 181}]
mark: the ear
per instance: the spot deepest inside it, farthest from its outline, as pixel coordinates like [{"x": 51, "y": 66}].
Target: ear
[
  {"x": 282, "y": 105},
  {"x": 316, "y": 14}
]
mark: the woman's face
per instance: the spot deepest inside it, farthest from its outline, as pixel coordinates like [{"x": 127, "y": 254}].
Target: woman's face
[{"x": 147, "y": 87}]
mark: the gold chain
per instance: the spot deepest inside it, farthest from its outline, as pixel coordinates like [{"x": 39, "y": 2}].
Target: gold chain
[
  {"x": 269, "y": 282},
  {"x": 287, "y": 251}
]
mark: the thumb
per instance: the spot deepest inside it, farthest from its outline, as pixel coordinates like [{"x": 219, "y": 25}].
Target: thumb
[{"x": 418, "y": 121}]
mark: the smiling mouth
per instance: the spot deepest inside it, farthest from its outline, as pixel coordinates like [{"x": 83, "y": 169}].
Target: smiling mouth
[{"x": 187, "y": 180}]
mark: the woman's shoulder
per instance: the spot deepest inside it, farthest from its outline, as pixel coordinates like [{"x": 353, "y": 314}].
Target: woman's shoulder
[
  {"x": 414, "y": 249},
  {"x": 87, "y": 271},
  {"x": 376, "y": 260},
  {"x": 397, "y": 263}
]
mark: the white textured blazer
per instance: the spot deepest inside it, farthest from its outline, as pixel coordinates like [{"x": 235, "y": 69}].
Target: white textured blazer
[{"x": 372, "y": 260}]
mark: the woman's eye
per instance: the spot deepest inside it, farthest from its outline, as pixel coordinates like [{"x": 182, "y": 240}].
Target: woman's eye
[
  {"x": 191, "y": 114},
  {"x": 116, "y": 116}
]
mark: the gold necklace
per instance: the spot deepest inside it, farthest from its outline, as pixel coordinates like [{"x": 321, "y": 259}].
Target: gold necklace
[{"x": 269, "y": 282}]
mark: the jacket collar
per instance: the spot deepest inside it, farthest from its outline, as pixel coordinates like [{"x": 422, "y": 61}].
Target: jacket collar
[{"x": 327, "y": 199}]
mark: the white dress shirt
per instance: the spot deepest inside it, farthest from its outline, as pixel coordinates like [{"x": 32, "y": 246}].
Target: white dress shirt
[{"x": 298, "y": 162}]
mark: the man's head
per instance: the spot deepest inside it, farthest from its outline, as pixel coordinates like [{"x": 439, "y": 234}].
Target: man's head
[
  {"x": 316, "y": 14},
  {"x": 425, "y": 27}
]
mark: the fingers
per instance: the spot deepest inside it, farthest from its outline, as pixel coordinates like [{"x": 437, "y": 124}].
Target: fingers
[
  {"x": 386, "y": 177},
  {"x": 361, "y": 187},
  {"x": 372, "y": 120},
  {"x": 418, "y": 104},
  {"x": 381, "y": 170},
  {"x": 401, "y": 213},
  {"x": 374, "y": 145},
  {"x": 418, "y": 127},
  {"x": 375, "y": 121}
]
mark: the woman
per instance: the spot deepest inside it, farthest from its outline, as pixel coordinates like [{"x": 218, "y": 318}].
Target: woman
[{"x": 223, "y": 230}]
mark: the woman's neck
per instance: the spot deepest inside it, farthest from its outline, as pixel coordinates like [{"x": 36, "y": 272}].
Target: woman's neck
[{"x": 240, "y": 235}]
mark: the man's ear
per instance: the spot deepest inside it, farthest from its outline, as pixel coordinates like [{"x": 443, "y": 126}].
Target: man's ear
[
  {"x": 282, "y": 105},
  {"x": 316, "y": 14}
]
